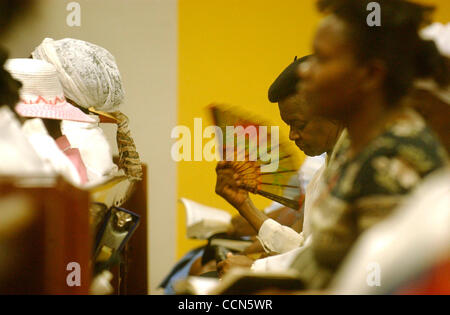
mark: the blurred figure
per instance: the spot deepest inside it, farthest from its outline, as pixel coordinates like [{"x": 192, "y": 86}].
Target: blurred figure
[
  {"x": 358, "y": 75},
  {"x": 9, "y": 88},
  {"x": 10, "y": 12},
  {"x": 91, "y": 81},
  {"x": 406, "y": 247}
]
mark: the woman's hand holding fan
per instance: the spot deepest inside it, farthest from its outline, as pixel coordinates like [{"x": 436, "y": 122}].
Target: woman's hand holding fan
[
  {"x": 242, "y": 176},
  {"x": 228, "y": 185}
]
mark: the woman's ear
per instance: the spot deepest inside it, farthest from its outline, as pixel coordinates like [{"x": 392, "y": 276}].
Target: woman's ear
[{"x": 374, "y": 76}]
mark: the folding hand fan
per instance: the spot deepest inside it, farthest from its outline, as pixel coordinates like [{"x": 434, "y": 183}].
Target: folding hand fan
[{"x": 252, "y": 150}]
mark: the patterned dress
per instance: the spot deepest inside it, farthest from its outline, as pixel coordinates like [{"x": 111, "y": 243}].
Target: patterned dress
[{"x": 363, "y": 190}]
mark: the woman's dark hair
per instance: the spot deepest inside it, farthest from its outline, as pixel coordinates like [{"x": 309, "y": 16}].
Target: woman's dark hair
[
  {"x": 12, "y": 10},
  {"x": 396, "y": 41},
  {"x": 9, "y": 87}
]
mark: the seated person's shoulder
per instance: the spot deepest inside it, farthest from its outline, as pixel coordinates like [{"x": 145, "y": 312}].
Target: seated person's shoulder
[{"x": 397, "y": 160}]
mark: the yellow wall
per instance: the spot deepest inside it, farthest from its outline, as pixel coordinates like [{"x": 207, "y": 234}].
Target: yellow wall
[
  {"x": 230, "y": 51},
  {"x": 442, "y": 13}
]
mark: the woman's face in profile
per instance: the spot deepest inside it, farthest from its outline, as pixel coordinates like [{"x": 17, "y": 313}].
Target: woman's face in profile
[{"x": 331, "y": 78}]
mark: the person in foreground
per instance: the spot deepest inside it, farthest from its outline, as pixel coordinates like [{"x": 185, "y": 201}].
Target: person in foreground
[{"x": 359, "y": 75}]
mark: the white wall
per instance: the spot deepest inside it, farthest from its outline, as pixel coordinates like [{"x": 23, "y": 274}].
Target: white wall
[{"x": 142, "y": 35}]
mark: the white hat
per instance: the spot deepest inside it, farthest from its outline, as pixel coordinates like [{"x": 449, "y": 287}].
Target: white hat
[{"x": 41, "y": 94}]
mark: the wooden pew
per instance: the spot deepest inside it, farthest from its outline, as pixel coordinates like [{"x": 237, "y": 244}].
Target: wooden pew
[
  {"x": 50, "y": 232},
  {"x": 54, "y": 231}
]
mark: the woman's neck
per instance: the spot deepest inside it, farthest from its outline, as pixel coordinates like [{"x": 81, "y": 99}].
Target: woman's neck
[{"x": 368, "y": 121}]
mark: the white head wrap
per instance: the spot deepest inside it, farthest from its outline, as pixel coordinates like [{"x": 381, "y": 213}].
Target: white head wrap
[
  {"x": 440, "y": 34},
  {"x": 88, "y": 73}
]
